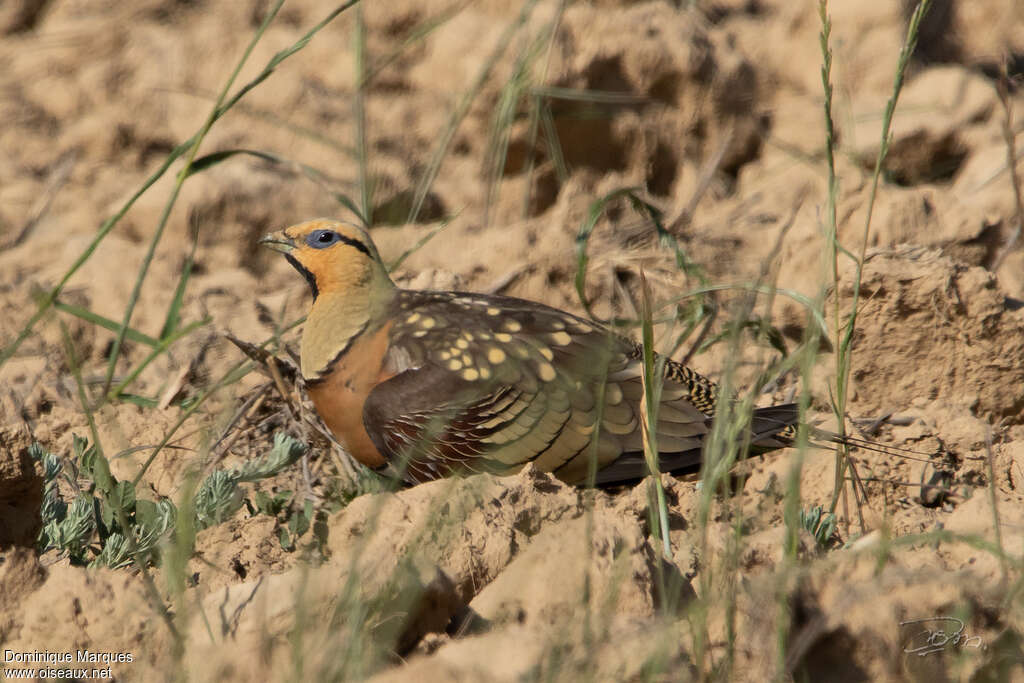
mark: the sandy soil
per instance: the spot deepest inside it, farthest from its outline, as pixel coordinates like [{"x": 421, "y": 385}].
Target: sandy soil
[{"x": 717, "y": 114}]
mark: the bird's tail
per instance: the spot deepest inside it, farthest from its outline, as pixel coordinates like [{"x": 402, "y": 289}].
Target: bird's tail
[
  {"x": 777, "y": 426},
  {"x": 772, "y": 428}
]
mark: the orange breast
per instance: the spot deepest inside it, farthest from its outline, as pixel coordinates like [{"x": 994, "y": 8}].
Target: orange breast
[{"x": 340, "y": 396}]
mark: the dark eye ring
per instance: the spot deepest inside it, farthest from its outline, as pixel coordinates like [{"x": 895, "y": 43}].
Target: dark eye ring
[{"x": 322, "y": 238}]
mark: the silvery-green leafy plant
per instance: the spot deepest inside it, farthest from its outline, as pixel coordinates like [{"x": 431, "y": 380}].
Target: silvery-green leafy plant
[
  {"x": 820, "y": 524},
  {"x": 93, "y": 528}
]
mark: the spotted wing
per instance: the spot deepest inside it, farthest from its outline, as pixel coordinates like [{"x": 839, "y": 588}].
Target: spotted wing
[
  {"x": 492, "y": 383},
  {"x": 486, "y": 384}
]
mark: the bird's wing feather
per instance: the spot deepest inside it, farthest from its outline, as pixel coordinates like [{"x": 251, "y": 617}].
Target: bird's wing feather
[
  {"x": 490, "y": 383},
  {"x": 519, "y": 382}
]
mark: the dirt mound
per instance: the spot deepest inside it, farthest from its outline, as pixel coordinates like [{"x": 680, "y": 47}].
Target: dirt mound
[{"x": 962, "y": 338}]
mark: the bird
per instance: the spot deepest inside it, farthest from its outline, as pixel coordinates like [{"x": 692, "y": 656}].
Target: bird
[{"x": 426, "y": 384}]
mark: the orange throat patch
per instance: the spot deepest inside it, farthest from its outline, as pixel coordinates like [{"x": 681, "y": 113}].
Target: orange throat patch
[{"x": 340, "y": 395}]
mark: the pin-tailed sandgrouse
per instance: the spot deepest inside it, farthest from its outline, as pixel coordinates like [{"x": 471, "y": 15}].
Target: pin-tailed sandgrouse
[{"x": 429, "y": 383}]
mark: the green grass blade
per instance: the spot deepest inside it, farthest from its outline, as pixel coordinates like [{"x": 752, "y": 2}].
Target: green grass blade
[
  {"x": 48, "y": 300},
  {"x": 208, "y": 161},
  {"x": 100, "y": 321},
  {"x": 597, "y": 208},
  {"x": 845, "y": 351},
  {"x": 421, "y": 31},
  {"x": 359, "y": 114},
  {"x": 419, "y": 245},
  {"x": 652, "y": 373},
  {"x": 547, "y": 121},
  {"x": 136, "y": 292},
  {"x": 157, "y": 351},
  {"x": 513, "y": 92},
  {"x": 237, "y": 372},
  {"x": 462, "y": 108},
  {"x": 536, "y": 102},
  {"x": 173, "y": 317},
  {"x": 140, "y": 401},
  {"x": 590, "y": 96},
  {"x": 76, "y": 372},
  {"x": 274, "y": 119},
  {"x": 105, "y": 482},
  {"x": 109, "y": 224},
  {"x": 282, "y": 55},
  {"x": 642, "y": 206}
]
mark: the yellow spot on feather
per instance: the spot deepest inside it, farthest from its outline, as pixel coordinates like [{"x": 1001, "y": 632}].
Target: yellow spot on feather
[
  {"x": 454, "y": 365},
  {"x": 545, "y": 371},
  {"x": 561, "y": 338},
  {"x": 546, "y": 352},
  {"x": 427, "y": 323},
  {"x": 462, "y": 343},
  {"x": 513, "y": 325},
  {"x": 496, "y": 356},
  {"x": 502, "y": 337},
  {"x": 413, "y": 318},
  {"x": 470, "y": 374},
  {"x": 493, "y": 311}
]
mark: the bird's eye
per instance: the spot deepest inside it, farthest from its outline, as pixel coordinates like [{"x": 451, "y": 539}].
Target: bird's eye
[{"x": 322, "y": 238}]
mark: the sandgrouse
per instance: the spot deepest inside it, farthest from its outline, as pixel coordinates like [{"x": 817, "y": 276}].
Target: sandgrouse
[{"x": 428, "y": 383}]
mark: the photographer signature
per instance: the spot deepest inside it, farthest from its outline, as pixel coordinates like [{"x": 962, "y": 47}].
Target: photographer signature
[{"x": 935, "y": 637}]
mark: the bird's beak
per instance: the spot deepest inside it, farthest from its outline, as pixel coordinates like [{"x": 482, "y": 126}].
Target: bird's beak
[{"x": 278, "y": 241}]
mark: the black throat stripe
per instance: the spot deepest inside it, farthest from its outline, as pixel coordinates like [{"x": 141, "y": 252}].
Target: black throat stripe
[
  {"x": 305, "y": 273},
  {"x": 321, "y": 375}
]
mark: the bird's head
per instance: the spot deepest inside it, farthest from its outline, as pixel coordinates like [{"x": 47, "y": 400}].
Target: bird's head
[{"x": 335, "y": 257}]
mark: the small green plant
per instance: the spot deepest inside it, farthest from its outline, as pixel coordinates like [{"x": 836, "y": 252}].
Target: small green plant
[
  {"x": 219, "y": 496},
  {"x": 297, "y": 515},
  {"x": 294, "y": 519},
  {"x": 86, "y": 526},
  {"x": 820, "y": 524}
]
